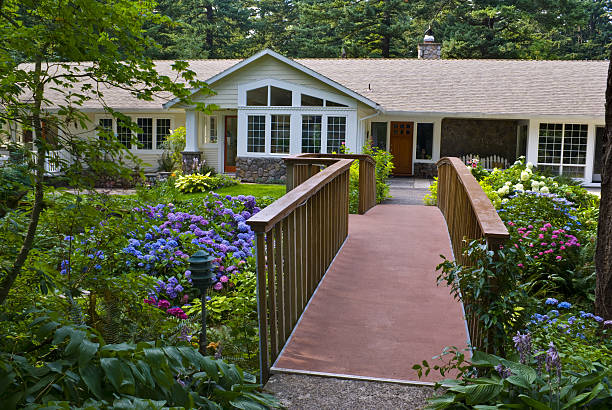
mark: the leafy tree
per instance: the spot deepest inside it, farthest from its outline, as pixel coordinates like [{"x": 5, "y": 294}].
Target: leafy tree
[
  {"x": 332, "y": 28},
  {"x": 603, "y": 254},
  {"x": 202, "y": 29},
  {"x": 44, "y": 94}
]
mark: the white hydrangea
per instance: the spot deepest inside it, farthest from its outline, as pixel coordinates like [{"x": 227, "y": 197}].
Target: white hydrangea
[
  {"x": 525, "y": 175},
  {"x": 529, "y": 165},
  {"x": 555, "y": 184},
  {"x": 544, "y": 190},
  {"x": 503, "y": 201},
  {"x": 508, "y": 183},
  {"x": 503, "y": 191},
  {"x": 519, "y": 187}
]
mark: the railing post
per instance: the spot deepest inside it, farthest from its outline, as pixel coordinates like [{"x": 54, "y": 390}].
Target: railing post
[
  {"x": 289, "y": 183},
  {"x": 264, "y": 368}
]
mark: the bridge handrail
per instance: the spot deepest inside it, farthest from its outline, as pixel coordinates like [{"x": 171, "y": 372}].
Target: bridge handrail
[
  {"x": 469, "y": 215},
  {"x": 303, "y": 166},
  {"x": 297, "y": 237}
]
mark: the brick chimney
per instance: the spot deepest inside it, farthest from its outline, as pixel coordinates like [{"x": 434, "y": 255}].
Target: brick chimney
[{"x": 429, "y": 49}]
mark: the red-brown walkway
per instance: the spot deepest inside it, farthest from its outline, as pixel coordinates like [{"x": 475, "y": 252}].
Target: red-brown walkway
[{"x": 378, "y": 310}]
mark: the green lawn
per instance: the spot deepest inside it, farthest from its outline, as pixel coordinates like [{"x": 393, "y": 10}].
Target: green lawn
[{"x": 274, "y": 191}]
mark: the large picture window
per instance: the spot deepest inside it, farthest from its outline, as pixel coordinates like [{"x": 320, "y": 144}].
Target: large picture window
[
  {"x": 311, "y": 133},
  {"x": 562, "y": 148},
  {"x": 379, "y": 135},
  {"x": 256, "y": 133},
  {"x": 280, "y": 134},
  {"x": 336, "y": 133}
]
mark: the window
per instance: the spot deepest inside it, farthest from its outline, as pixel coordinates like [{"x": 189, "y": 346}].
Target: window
[
  {"x": 256, "y": 133},
  {"x": 257, "y": 97},
  {"x": 311, "y": 133},
  {"x": 212, "y": 130},
  {"x": 310, "y": 101},
  {"x": 334, "y": 104},
  {"x": 162, "y": 131},
  {"x": 105, "y": 127},
  {"x": 424, "y": 141},
  {"x": 280, "y": 134},
  {"x": 336, "y": 133},
  {"x": 280, "y": 97},
  {"x": 379, "y": 135},
  {"x": 145, "y": 138},
  {"x": 124, "y": 134},
  {"x": 562, "y": 148}
]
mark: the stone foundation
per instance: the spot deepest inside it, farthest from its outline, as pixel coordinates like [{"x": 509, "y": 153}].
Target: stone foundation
[
  {"x": 425, "y": 170},
  {"x": 265, "y": 170}
]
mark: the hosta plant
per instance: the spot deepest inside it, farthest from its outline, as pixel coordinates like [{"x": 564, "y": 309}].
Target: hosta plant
[{"x": 193, "y": 183}]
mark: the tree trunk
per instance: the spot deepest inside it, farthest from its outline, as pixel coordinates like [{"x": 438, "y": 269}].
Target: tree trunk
[
  {"x": 209, "y": 30},
  {"x": 603, "y": 254},
  {"x": 26, "y": 247}
]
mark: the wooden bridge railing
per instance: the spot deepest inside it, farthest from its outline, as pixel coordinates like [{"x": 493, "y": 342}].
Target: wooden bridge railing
[
  {"x": 469, "y": 215},
  {"x": 297, "y": 237},
  {"x": 303, "y": 166}
]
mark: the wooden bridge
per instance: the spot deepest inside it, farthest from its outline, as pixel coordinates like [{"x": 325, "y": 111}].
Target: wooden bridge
[{"x": 355, "y": 296}]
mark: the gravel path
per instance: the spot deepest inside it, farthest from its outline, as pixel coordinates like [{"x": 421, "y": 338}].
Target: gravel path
[{"x": 325, "y": 393}]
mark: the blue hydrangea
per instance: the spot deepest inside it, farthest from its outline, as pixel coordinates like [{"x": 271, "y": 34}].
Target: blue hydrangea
[
  {"x": 564, "y": 305},
  {"x": 551, "y": 301}
]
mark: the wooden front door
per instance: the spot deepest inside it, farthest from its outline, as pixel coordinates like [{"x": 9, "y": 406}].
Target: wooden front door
[
  {"x": 231, "y": 143},
  {"x": 401, "y": 147}
]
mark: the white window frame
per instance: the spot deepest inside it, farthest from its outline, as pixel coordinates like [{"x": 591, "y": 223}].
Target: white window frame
[
  {"x": 134, "y": 118},
  {"x": 433, "y": 141},
  {"x": 561, "y": 164},
  {"x": 267, "y": 127}
]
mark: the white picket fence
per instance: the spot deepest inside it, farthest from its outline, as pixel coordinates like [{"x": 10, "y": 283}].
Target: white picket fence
[{"x": 490, "y": 162}]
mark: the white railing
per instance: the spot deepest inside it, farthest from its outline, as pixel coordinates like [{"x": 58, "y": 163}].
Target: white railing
[
  {"x": 490, "y": 162},
  {"x": 51, "y": 164}
]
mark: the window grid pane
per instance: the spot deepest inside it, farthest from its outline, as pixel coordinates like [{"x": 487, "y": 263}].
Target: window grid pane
[
  {"x": 124, "y": 135},
  {"x": 256, "y": 133},
  {"x": 106, "y": 124},
  {"x": 336, "y": 133},
  {"x": 549, "y": 147},
  {"x": 163, "y": 130},
  {"x": 311, "y": 133},
  {"x": 280, "y": 134},
  {"x": 145, "y": 139},
  {"x": 574, "y": 144},
  {"x": 213, "y": 130}
]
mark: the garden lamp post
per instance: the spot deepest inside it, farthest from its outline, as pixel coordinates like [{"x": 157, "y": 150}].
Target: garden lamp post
[{"x": 202, "y": 277}]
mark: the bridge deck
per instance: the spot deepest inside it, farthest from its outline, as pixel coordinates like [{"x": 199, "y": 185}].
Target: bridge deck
[{"x": 378, "y": 310}]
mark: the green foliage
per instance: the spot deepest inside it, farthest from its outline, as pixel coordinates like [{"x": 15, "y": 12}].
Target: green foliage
[
  {"x": 173, "y": 145},
  {"x": 503, "y": 383},
  {"x": 15, "y": 182},
  {"x": 431, "y": 198},
  {"x": 383, "y": 167},
  {"x": 78, "y": 368},
  {"x": 201, "y": 183},
  {"x": 492, "y": 290}
]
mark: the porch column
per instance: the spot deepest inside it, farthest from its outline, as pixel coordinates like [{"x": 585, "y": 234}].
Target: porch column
[
  {"x": 192, "y": 155},
  {"x": 590, "y": 154},
  {"x": 533, "y": 136}
]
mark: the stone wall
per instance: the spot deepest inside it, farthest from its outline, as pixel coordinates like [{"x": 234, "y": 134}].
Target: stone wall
[
  {"x": 425, "y": 170},
  {"x": 481, "y": 137},
  {"x": 256, "y": 169}
]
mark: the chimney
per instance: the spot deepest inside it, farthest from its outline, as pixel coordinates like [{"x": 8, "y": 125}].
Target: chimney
[{"x": 428, "y": 49}]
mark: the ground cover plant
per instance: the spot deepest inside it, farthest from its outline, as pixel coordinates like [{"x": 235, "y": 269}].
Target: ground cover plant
[{"x": 532, "y": 297}]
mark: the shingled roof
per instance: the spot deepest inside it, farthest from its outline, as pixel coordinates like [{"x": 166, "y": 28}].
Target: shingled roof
[{"x": 518, "y": 88}]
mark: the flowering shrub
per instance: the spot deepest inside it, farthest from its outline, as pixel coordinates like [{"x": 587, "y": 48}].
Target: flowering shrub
[
  {"x": 578, "y": 335},
  {"x": 477, "y": 170}
]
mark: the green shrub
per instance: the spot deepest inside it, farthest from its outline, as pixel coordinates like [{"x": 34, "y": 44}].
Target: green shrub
[
  {"x": 432, "y": 197},
  {"x": 15, "y": 182},
  {"x": 200, "y": 183},
  {"x": 72, "y": 367},
  {"x": 383, "y": 168}
]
